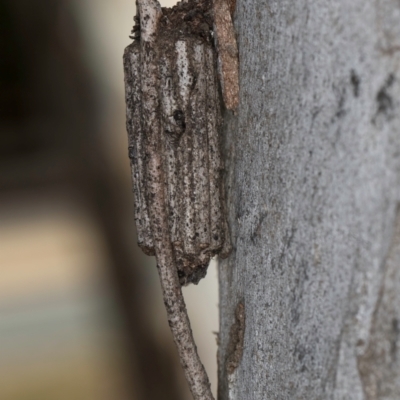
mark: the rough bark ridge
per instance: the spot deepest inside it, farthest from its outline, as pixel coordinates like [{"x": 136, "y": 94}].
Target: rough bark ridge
[{"x": 313, "y": 180}]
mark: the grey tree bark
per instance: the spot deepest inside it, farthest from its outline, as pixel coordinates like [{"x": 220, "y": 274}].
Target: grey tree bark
[{"x": 310, "y": 297}]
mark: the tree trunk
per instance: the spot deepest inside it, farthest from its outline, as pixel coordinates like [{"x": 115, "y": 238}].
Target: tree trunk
[{"x": 310, "y": 296}]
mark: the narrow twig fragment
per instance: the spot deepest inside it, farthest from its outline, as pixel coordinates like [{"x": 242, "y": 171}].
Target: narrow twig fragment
[
  {"x": 201, "y": 192},
  {"x": 173, "y": 129},
  {"x": 217, "y": 236},
  {"x": 228, "y": 63},
  {"x": 185, "y": 83},
  {"x": 135, "y": 142}
]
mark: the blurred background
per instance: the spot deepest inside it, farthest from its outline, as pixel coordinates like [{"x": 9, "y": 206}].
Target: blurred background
[{"x": 81, "y": 313}]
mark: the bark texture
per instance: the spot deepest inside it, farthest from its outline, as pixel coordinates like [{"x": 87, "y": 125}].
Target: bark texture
[{"x": 313, "y": 178}]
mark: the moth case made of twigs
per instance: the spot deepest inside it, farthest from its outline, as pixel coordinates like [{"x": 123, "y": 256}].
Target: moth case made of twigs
[{"x": 185, "y": 128}]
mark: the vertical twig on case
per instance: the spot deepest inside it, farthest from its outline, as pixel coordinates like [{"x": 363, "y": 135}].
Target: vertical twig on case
[{"x": 228, "y": 62}]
